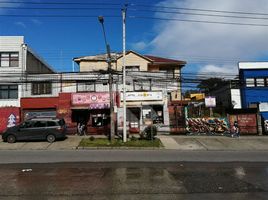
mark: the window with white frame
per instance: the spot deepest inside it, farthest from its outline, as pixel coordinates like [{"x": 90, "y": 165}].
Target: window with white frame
[
  {"x": 8, "y": 91},
  {"x": 9, "y": 59},
  {"x": 260, "y": 82},
  {"x": 133, "y": 68},
  {"x": 86, "y": 86},
  {"x": 250, "y": 82},
  {"x": 40, "y": 88}
]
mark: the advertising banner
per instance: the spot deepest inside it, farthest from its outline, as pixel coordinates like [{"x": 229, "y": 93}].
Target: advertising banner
[{"x": 97, "y": 100}]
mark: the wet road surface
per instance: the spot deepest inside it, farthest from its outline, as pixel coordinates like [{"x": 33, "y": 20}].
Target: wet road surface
[{"x": 134, "y": 181}]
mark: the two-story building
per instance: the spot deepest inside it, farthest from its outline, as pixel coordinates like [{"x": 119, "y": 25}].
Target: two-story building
[
  {"x": 254, "y": 92},
  {"x": 17, "y": 63},
  {"x": 151, "y": 82}
]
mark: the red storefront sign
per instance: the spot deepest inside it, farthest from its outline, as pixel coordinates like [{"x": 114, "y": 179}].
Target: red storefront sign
[
  {"x": 96, "y": 100},
  {"x": 9, "y": 116}
]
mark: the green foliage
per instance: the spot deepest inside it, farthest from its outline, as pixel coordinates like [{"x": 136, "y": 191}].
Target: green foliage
[
  {"x": 211, "y": 84},
  {"x": 101, "y": 142}
]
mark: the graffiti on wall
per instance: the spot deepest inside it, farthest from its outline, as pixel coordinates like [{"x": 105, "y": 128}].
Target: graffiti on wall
[{"x": 207, "y": 125}]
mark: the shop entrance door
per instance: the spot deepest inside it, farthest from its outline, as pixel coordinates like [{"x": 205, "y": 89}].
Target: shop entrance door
[
  {"x": 133, "y": 118},
  {"x": 81, "y": 116}
]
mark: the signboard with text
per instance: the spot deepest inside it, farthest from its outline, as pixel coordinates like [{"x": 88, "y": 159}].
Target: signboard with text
[
  {"x": 143, "y": 96},
  {"x": 210, "y": 102}
]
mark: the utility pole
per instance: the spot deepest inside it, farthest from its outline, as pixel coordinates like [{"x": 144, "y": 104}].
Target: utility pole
[
  {"x": 109, "y": 61},
  {"x": 124, "y": 77}
]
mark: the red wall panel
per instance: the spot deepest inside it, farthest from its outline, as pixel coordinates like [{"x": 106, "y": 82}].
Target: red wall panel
[
  {"x": 9, "y": 116},
  {"x": 40, "y": 102}
]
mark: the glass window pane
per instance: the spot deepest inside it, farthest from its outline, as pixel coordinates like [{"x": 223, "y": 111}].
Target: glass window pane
[
  {"x": 250, "y": 82},
  {"x": 13, "y": 87},
  {"x": 260, "y": 82},
  {"x": 14, "y": 63},
  {"x": 51, "y": 123},
  {"x": 4, "y": 87},
  {"x": 13, "y": 94},
  {"x": 3, "y": 94},
  {"x": 16, "y": 55},
  {"x": 4, "y": 55},
  {"x": 4, "y": 63}
]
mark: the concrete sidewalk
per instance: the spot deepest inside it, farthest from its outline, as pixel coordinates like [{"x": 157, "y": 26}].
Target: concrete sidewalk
[
  {"x": 215, "y": 143},
  {"x": 181, "y": 143}
]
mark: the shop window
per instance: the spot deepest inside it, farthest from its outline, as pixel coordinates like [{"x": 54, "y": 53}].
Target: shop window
[
  {"x": 250, "y": 82},
  {"x": 153, "y": 113},
  {"x": 8, "y": 91},
  {"x": 9, "y": 59},
  {"x": 40, "y": 88},
  {"x": 100, "y": 120},
  {"x": 133, "y": 117}
]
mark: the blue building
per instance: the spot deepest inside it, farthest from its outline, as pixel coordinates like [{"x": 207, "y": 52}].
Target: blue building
[{"x": 254, "y": 86}]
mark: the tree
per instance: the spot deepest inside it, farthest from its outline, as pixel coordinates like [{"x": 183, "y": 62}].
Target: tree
[{"x": 210, "y": 84}]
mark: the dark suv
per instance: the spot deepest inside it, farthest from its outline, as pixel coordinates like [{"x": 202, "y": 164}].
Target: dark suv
[{"x": 48, "y": 129}]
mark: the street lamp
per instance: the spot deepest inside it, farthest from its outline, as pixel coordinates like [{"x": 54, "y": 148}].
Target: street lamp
[{"x": 109, "y": 61}]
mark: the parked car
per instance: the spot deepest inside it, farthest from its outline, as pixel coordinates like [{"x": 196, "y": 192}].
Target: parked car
[{"x": 48, "y": 129}]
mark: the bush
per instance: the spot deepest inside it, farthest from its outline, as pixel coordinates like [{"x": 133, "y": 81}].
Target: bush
[
  {"x": 133, "y": 138},
  {"x": 149, "y": 132},
  {"x": 91, "y": 138}
]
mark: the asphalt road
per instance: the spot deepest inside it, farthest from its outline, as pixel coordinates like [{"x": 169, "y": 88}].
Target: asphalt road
[
  {"x": 46, "y": 156},
  {"x": 132, "y": 180}
]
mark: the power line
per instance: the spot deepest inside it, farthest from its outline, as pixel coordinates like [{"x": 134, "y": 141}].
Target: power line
[
  {"x": 198, "y": 21},
  {"x": 63, "y": 16},
  {"x": 42, "y": 8},
  {"x": 199, "y": 14},
  {"x": 198, "y": 9},
  {"x": 56, "y": 3}
]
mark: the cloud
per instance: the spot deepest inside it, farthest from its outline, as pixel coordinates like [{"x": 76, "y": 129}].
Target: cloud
[
  {"x": 218, "y": 71},
  {"x": 36, "y": 22},
  {"x": 21, "y": 24},
  {"x": 8, "y": 4},
  {"x": 215, "y": 45},
  {"x": 139, "y": 46}
]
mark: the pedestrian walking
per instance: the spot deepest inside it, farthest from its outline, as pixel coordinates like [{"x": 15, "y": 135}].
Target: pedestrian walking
[
  {"x": 236, "y": 132},
  {"x": 81, "y": 128}
]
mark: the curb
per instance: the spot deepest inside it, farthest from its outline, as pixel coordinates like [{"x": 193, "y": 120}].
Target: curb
[{"x": 121, "y": 148}]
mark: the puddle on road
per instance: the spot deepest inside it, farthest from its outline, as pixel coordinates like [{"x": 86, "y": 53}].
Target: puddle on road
[{"x": 177, "y": 178}]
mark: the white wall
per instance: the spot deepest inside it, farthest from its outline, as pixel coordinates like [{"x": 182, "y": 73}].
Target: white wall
[
  {"x": 12, "y": 44},
  {"x": 236, "y": 98}
]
